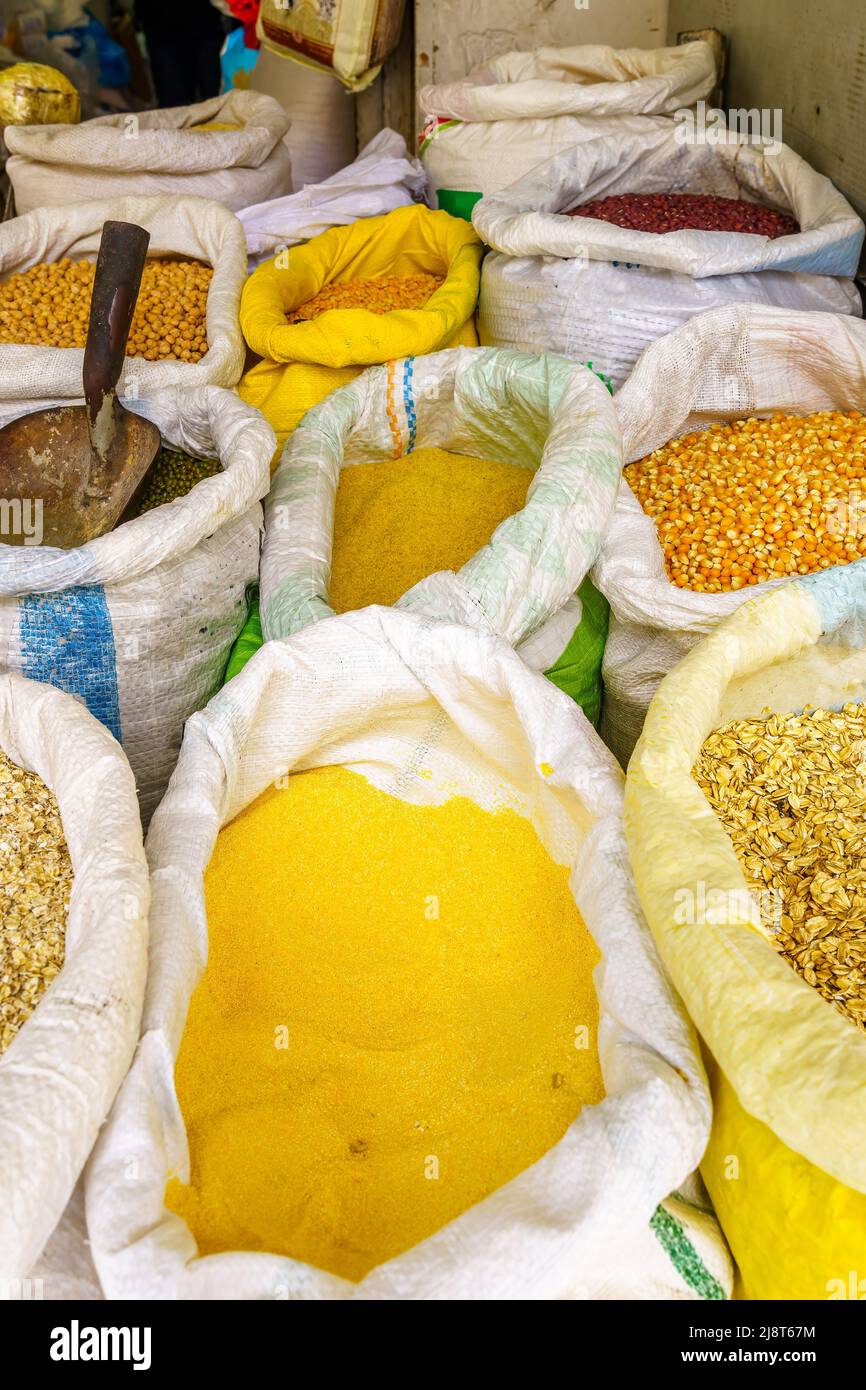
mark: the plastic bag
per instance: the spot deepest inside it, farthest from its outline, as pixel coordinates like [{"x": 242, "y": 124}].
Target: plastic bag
[
  {"x": 785, "y": 1165},
  {"x": 585, "y": 1220},
  {"x": 350, "y": 40},
  {"x": 59, "y": 1075},
  {"x": 33, "y": 94}
]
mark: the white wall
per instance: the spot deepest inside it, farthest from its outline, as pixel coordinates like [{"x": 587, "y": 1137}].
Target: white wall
[{"x": 452, "y": 36}]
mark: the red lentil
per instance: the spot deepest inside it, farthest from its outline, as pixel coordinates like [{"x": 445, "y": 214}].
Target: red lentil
[
  {"x": 380, "y": 295},
  {"x": 674, "y": 212}
]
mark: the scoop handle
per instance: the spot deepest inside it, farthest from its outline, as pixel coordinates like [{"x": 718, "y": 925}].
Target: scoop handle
[{"x": 122, "y": 253}]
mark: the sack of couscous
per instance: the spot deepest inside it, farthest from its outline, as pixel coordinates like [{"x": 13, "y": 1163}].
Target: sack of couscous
[
  {"x": 229, "y": 148},
  {"x": 472, "y": 484},
  {"x": 745, "y": 808},
  {"x": 512, "y": 113},
  {"x": 353, "y": 297},
  {"x": 185, "y": 329},
  {"x": 139, "y": 623},
  {"x": 745, "y": 452},
  {"x": 73, "y": 954},
  {"x": 476, "y": 1083},
  {"x": 616, "y": 242}
]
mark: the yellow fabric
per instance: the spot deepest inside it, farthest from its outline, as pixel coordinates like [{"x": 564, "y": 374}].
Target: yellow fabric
[
  {"x": 789, "y": 1072},
  {"x": 303, "y": 362}
]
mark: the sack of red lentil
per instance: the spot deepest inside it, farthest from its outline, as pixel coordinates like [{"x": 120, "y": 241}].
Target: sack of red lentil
[
  {"x": 139, "y": 623},
  {"x": 229, "y": 149},
  {"x": 735, "y": 495},
  {"x": 508, "y": 1090},
  {"x": 473, "y": 484},
  {"x": 753, "y": 223},
  {"x": 73, "y": 954},
  {"x": 186, "y": 329},
  {"x": 382, "y": 288},
  {"x": 518, "y": 110},
  {"x": 744, "y": 817}
]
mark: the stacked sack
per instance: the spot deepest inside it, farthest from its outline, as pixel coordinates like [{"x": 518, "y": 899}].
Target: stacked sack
[
  {"x": 518, "y": 110},
  {"x": 598, "y": 292}
]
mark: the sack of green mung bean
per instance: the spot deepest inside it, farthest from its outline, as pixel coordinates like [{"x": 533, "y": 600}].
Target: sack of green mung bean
[
  {"x": 718, "y": 501},
  {"x": 186, "y": 328},
  {"x": 139, "y": 623},
  {"x": 73, "y": 954},
  {"x": 438, "y": 762},
  {"x": 745, "y": 809},
  {"x": 595, "y": 290},
  {"x": 471, "y": 484}
]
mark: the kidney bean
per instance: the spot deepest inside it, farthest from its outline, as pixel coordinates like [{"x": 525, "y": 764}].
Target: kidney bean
[{"x": 673, "y": 212}]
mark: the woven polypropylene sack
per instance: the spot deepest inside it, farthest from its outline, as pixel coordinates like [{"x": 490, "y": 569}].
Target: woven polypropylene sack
[
  {"x": 510, "y": 114},
  {"x": 60, "y": 1073},
  {"x": 152, "y": 152},
  {"x": 538, "y": 413},
  {"x": 192, "y": 228},
  {"x": 723, "y": 365},
  {"x": 585, "y": 1221},
  {"x": 785, "y": 1164},
  {"x": 350, "y": 40},
  {"x": 303, "y": 362},
  {"x": 139, "y": 623}
]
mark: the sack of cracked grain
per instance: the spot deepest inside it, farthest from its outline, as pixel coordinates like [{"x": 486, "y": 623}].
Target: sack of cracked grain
[
  {"x": 156, "y": 152},
  {"x": 744, "y": 818},
  {"x": 474, "y": 484},
  {"x": 73, "y": 954},
  {"x": 702, "y": 547},
  {"x": 186, "y": 321},
  {"x": 355, "y": 296},
  {"x": 139, "y": 623},
  {"x": 417, "y": 737},
  {"x": 516, "y": 111},
  {"x": 592, "y": 289}
]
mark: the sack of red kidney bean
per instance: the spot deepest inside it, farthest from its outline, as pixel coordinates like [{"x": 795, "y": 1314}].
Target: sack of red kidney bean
[{"x": 675, "y": 212}]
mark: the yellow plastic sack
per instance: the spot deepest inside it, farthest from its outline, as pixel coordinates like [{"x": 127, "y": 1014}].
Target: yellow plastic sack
[
  {"x": 786, "y": 1162},
  {"x": 303, "y": 362}
]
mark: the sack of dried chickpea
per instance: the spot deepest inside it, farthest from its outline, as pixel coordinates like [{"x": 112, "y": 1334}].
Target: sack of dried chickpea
[
  {"x": 384, "y": 287},
  {"x": 745, "y": 811},
  {"x": 472, "y": 484},
  {"x": 720, "y": 499},
  {"x": 161, "y": 152},
  {"x": 508, "y": 115},
  {"x": 185, "y": 330},
  {"x": 442, "y": 749},
  {"x": 592, "y": 289},
  {"x": 139, "y": 624},
  {"x": 74, "y": 899}
]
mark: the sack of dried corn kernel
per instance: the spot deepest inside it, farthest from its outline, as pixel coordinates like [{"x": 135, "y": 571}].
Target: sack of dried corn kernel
[
  {"x": 440, "y": 720},
  {"x": 508, "y": 115},
  {"x": 412, "y": 257},
  {"x": 409, "y": 486},
  {"x": 759, "y": 920},
  {"x": 139, "y": 623},
  {"x": 740, "y": 363},
  {"x": 76, "y": 1028},
  {"x": 185, "y": 330},
  {"x": 229, "y": 149},
  {"x": 594, "y": 290}
]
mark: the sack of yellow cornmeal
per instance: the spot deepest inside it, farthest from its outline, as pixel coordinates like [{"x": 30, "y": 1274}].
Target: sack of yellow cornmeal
[{"x": 406, "y": 1034}]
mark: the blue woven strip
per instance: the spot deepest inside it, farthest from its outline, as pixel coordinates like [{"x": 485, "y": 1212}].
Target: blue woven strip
[
  {"x": 67, "y": 641},
  {"x": 409, "y": 400}
]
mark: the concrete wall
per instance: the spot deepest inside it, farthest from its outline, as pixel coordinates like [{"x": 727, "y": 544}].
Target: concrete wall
[
  {"x": 806, "y": 57},
  {"x": 452, "y": 36}
]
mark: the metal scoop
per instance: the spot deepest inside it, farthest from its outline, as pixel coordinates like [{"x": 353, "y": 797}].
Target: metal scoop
[{"x": 68, "y": 474}]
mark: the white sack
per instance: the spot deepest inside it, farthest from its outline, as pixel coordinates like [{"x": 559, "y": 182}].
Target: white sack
[
  {"x": 525, "y": 219},
  {"x": 59, "y": 1075},
  {"x": 321, "y": 135},
  {"x": 149, "y": 152},
  {"x": 365, "y": 690},
  {"x": 178, "y": 226},
  {"x": 139, "y": 623},
  {"x": 382, "y": 178},
  {"x": 539, "y": 413},
  {"x": 723, "y": 365}
]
